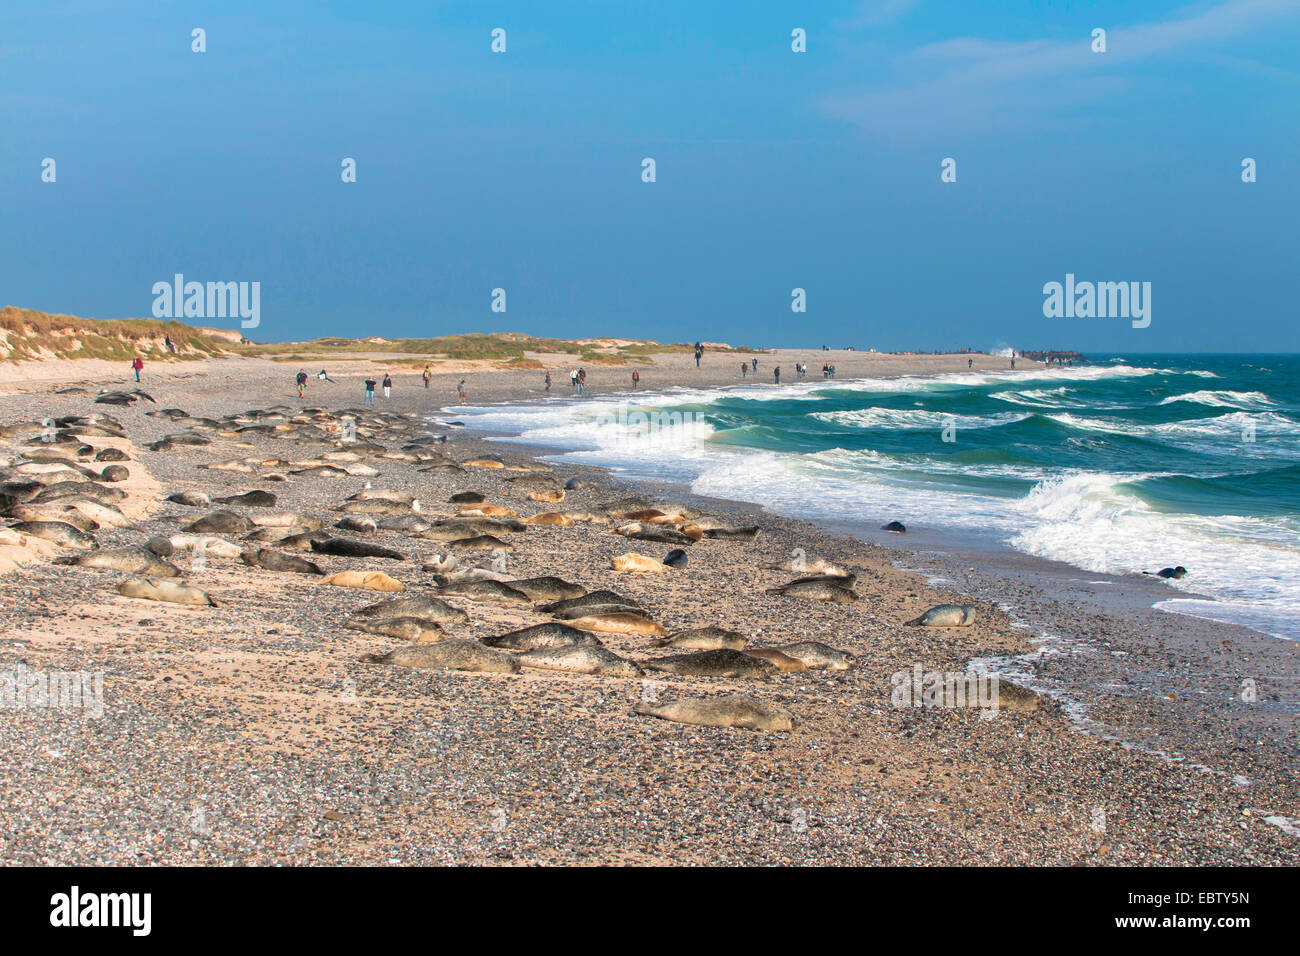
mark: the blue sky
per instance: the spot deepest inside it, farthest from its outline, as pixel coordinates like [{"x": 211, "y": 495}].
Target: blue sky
[{"x": 775, "y": 169}]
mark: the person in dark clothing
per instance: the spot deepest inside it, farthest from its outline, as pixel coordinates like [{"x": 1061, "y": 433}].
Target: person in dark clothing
[{"x": 776, "y": 372}]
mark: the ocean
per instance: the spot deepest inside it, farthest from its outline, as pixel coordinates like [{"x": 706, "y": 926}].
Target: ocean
[{"x": 1127, "y": 464}]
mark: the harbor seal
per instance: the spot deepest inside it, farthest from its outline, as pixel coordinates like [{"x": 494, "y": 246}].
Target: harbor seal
[
  {"x": 358, "y": 523},
  {"x": 251, "y": 499},
  {"x": 454, "y": 653},
  {"x": 676, "y": 558},
  {"x": 348, "y": 548},
  {"x": 638, "y": 563},
  {"x": 542, "y": 636},
  {"x": 132, "y": 560},
  {"x": 481, "y": 542},
  {"x": 549, "y": 496},
  {"x": 730, "y": 710},
  {"x": 817, "y": 590},
  {"x": 487, "y": 591},
  {"x": 581, "y": 659},
  {"x": 618, "y": 622},
  {"x": 115, "y": 473},
  {"x": 553, "y": 518},
  {"x": 591, "y": 599},
  {"x": 367, "y": 580},
  {"x": 897, "y": 527},
  {"x": 1015, "y": 698},
  {"x": 709, "y": 638},
  {"x": 945, "y": 615},
  {"x": 547, "y": 588},
  {"x": 422, "y": 606},
  {"x": 402, "y": 628},
  {"x": 191, "y": 499},
  {"x": 161, "y": 589},
  {"x": 276, "y": 561},
  {"x": 1176, "y": 573},
  {"x": 58, "y": 532},
  {"x": 468, "y": 498},
  {"x": 719, "y": 663},
  {"x": 818, "y": 656},
  {"x": 220, "y": 522}
]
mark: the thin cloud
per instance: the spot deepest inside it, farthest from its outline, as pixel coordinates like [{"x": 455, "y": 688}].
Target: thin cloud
[{"x": 982, "y": 82}]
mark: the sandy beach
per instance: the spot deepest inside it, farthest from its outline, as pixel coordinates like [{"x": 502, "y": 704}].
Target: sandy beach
[{"x": 259, "y": 731}]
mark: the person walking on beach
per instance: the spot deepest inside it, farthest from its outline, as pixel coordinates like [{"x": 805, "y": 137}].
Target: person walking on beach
[
  {"x": 755, "y": 365},
  {"x": 636, "y": 378},
  {"x": 427, "y": 375},
  {"x": 573, "y": 379},
  {"x": 460, "y": 392},
  {"x": 970, "y": 363},
  {"x": 548, "y": 381},
  {"x": 744, "y": 370},
  {"x": 302, "y": 381},
  {"x": 370, "y": 391},
  {"x": 776, "y": 372},
  {"x": 138, "y": 364},
  {"x": 698, "y": 353},
  {"x": 388, "y": 385}
]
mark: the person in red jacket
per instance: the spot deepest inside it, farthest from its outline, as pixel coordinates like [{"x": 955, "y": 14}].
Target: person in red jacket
[{"x": 137, "y": 365}]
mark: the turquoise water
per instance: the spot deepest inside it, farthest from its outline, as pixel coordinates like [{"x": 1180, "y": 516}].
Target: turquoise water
[{"x": 1127, "y": 464}]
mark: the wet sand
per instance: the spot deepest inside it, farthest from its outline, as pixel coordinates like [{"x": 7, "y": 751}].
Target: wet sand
[{"x": 252, "y": 732}]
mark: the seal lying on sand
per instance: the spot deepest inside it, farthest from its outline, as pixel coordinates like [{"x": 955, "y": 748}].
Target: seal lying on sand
[
  {"x": 487, "y": 591},
  {"x": 587, "y": 610},
  {"x": 709, "y": 638},
  {"x": 154, "y": 589},
  {"x": 547, "y": 588},
  {"x": 818, "y": 656},
  {"x": 542, "y": 636},
  {"x": 192, "y": 499},
  {"x": 945, "y": 615},
  {"x": 275, "y": 561},
  {"x": 220, "y": 522},
  {"x": 421, "y": 606},
  {"x": 251, "y": 499},
  {"x": 816, "y": 590},
  {"x": 618, "y": 622},
  {"x": 368, "y": 580},
  {"x": 57, "y": 532},
  {"x": 132, "y": 560},
  {"x": 730, "y": 710},
  {"x": 346, "y": 547},
  {"x": 1013, "y": 697},
  {"x": 553, "y": 518},
  {"x": 581, "y": 659},
  {"x": 638, "y": 563},
  {"x": 402, "y": 628},
  {"x": 719, "y": 663},
  {"x": 357, "y": 523},
  {"x": 590, "y": 599},
  {"x": 481, "y": 542},
  {"x": 454, "y": 654}
]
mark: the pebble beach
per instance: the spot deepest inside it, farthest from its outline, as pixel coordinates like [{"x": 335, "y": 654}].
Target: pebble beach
[{"x": 262, "y": 730}]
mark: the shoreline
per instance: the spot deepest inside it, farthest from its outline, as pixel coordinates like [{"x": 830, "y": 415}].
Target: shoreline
[
  {"x": 246, "y": 724},
  {"x": 1123, "y": 607}
]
